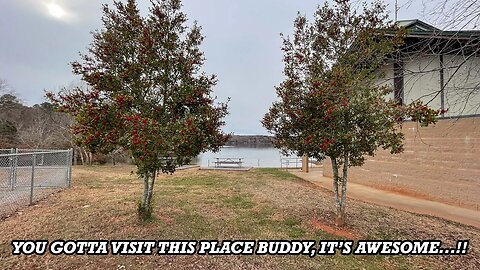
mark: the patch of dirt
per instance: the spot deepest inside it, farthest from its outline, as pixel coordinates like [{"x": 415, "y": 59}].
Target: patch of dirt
[
  {"x": 318, "y": 225},
  {"x": 168, "y": 220},
  {"x": 277, "y": 217}
]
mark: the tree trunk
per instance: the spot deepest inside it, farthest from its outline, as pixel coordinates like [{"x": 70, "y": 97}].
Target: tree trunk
[
  {"x": 90, "y": 158},
  {"x": 344, "y": 190},
  {"x": 146, "y": 180},
  {"x": 145, "y": 209},
  {"x": 81, "y": 155},
  {"x": 87, "y": 162},
  {"x": 335, "y": 186},
  {"x": 340, "y": 198},
  {"x": 75, "y": 152},
  {"x": 150, "y": 190}
]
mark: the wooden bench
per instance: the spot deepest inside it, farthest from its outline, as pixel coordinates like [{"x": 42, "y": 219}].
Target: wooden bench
[{"x": 228, "y": 161}]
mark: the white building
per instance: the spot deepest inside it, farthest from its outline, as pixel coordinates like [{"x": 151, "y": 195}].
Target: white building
[{"x": 441, "y": 68}]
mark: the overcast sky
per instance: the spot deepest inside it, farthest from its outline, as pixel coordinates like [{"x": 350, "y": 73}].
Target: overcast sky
[{"x": 39, "y": 38}]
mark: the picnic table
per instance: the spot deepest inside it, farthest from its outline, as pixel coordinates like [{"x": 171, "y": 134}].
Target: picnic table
[{"x": 228, "y": 161}]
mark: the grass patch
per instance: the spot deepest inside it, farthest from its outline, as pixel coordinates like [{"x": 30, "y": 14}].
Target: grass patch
[
  {"x": 278, "y": 174},
  {"x": 242, "y": 201},
  {"x": 189, "y": 181},
  {"x": 293, "y": 228},
  {"x": 195, "y": 225},
  {"x": 259, "y": 204}
]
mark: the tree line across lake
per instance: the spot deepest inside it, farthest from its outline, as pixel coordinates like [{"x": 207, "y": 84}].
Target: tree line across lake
[
  {"x": 250, "y": 141},
  {"x": 41, "y": 127}
]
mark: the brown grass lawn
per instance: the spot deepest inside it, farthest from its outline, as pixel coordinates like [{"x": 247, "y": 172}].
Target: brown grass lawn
[{"x": 193, "y": 204}]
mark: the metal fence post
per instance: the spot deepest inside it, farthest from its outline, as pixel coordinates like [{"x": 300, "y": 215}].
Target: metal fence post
[
  {"x": 10, "y": 174},
  {"x": 15, "y": 163},
  {"x": 13, "y": 169},
  {"x": 33, "y": 177},
  {"x": 67, "y": 156},
  {"x": 69, "y": 167}
]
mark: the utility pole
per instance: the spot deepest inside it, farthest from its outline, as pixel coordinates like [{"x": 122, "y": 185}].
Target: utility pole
[{"x": 396, "y": 9}]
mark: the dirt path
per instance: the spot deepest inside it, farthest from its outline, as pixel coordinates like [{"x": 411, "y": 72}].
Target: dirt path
[{"x": 397, "y": 201}]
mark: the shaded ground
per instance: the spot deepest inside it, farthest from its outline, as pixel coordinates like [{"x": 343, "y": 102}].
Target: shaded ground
[{"x": 193, "y": 204}]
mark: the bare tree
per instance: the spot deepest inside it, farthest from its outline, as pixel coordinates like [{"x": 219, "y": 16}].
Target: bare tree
[
  {"x": 453, "y": 14},
  {"x": 11, "y": 110},
  {"x": 38, "y": 135},
  {"x": 3, "y": 85},
  {"x": 38, "y": 126}
]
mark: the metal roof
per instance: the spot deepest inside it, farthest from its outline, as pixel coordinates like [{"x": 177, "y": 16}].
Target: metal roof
[
  {"x": 416, "y": 25},
  {"x": 420, "y": 29}
]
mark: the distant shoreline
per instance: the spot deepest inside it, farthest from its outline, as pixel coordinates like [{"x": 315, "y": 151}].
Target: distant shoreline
[{"x": 253, "y": 141}]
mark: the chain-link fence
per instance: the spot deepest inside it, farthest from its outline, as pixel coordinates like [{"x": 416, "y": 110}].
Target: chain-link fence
[{"x": 27, "y": 176}]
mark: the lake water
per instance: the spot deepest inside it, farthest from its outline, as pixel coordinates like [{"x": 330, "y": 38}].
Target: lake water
[{"x": 252, "y": 157}]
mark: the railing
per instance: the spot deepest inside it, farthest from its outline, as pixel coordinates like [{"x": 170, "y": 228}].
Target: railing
[
  {"x": 294, "y": 162},
  {"x": 27, "y": 175},
  {"x": 281, "y": 162}
]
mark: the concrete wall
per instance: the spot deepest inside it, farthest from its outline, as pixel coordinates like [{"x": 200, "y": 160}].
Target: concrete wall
[
  {"x": 422, "y": 81},
  {"x": 462, "y": 79},
  {"x": 440, "y": 162}
]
